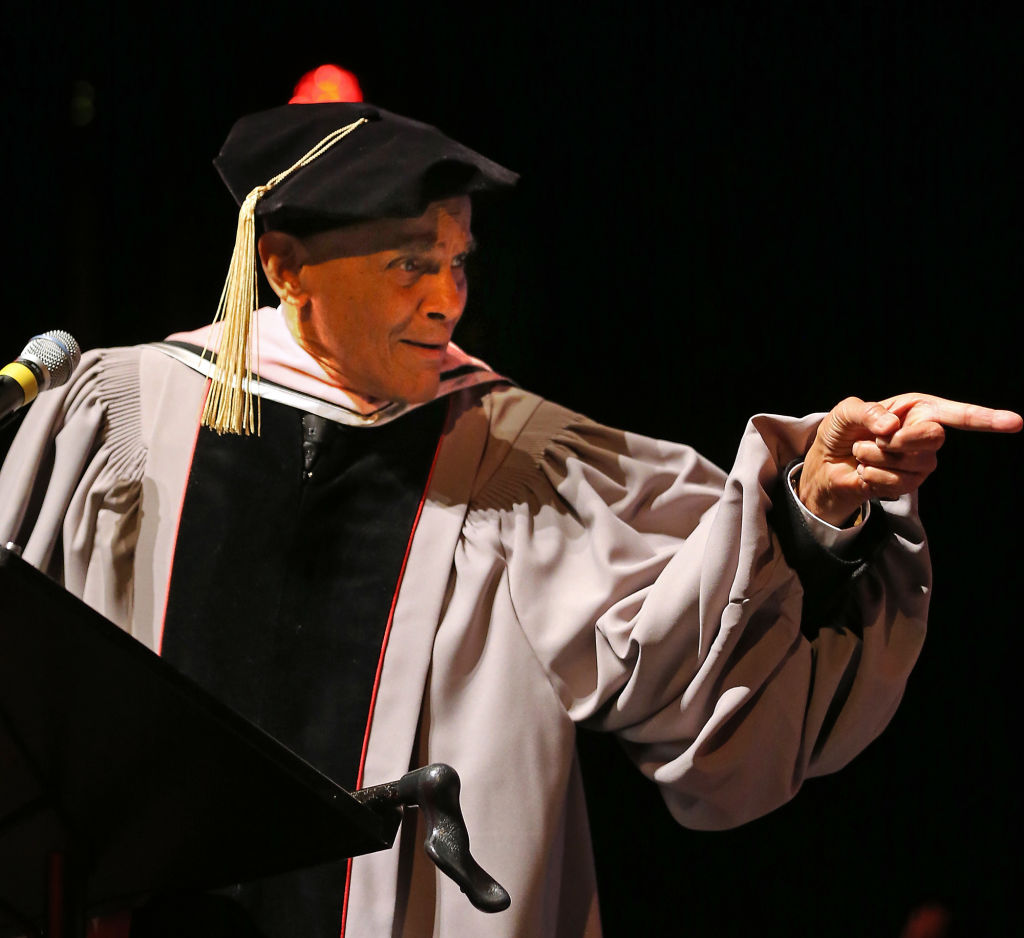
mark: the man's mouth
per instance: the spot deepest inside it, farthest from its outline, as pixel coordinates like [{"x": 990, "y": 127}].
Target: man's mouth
[{"x": 433, "y": 346}]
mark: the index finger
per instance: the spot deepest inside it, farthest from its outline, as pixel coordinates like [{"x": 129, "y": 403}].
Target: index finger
[{"x": 958, "y": 415}]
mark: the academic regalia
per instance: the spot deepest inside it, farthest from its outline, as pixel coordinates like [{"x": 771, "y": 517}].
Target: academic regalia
[{"x": 560, "y": 572}]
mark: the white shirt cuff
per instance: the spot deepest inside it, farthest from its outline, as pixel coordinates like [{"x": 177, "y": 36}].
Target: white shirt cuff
[{"x": 828, "y": 535}]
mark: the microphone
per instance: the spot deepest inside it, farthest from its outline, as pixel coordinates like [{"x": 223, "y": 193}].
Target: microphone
[{"x": 46, "y": 362}]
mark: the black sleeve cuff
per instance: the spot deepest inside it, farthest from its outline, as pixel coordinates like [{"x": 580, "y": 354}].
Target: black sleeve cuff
[{"x": 827, "y": 578}]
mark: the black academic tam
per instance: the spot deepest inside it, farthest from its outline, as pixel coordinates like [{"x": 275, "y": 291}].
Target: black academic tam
[{"x": 388, "y": 167}]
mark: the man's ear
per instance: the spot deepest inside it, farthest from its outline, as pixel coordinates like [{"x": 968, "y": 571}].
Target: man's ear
[{"x": 283, "y": 256}]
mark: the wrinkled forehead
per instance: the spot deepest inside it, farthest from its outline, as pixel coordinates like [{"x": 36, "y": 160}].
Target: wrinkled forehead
[{"x": 442, "y": 221}]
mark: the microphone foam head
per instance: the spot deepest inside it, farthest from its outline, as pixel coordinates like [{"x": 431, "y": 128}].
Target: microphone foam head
[{"x": 56, "y": 353}]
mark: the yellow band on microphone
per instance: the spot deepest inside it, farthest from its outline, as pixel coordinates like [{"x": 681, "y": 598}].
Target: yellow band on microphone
[{"x": 24, "y": 376}]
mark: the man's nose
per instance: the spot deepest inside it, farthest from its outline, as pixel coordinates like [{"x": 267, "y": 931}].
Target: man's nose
[{"x": 446, "y": 298}]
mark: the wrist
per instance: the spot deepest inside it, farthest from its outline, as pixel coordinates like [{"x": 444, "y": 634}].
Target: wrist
[{"x": 841, "y": 511}]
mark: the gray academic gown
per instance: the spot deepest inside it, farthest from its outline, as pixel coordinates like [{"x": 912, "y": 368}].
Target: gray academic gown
[{"x": 560, "y": 572}]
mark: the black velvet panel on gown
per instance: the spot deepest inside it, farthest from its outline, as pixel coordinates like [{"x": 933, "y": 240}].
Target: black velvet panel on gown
[{"x": 289, "y": 551}]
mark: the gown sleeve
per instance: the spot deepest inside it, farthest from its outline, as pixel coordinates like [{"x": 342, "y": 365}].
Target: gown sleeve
[
  {"x": 71, "y": 483},
  {"x": 664, "y": 608}
]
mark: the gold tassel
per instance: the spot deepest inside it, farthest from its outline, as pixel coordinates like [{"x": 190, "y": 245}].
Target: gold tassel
[{"x": 228, "y": 407}]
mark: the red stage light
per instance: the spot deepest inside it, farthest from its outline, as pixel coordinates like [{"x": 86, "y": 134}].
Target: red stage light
[{"x": 327, "y": 83}]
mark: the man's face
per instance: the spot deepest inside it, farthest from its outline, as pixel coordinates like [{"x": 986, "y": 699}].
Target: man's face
[{"x": 382, "y": 300}]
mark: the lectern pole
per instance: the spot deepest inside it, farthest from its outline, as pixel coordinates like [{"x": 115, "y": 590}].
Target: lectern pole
[{"x": 65, "y": 897}]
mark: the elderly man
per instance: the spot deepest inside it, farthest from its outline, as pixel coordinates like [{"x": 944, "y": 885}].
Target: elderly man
[{"x": 415, "y": 560}]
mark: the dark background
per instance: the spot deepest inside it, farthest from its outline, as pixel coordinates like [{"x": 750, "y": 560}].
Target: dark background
[{"x": 724, "y": 209}]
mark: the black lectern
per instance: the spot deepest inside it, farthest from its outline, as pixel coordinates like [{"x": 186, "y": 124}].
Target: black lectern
[{"x": 119, "y": 777}]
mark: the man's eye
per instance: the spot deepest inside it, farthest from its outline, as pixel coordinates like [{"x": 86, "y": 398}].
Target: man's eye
[
  {"x": 460, "y": 260},
  {"x": 408, "y": 265}
]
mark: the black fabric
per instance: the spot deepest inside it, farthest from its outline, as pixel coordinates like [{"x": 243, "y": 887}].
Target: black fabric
[
  {"x": 282, "y": 583},
  {"x": 827, "y": 578},
  {"x": 190, "y": 915},
  {"x": 389, "y": 167}
]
